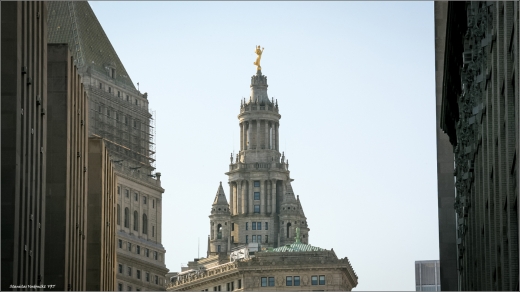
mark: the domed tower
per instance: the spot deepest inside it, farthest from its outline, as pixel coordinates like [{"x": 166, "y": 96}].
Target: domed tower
[
  {"x": 292, "y": 217},
  {"x": 219, "y": 224},
  {"x": 259, "y": 173}
]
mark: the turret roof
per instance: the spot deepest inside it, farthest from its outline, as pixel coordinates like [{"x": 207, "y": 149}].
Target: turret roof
[
  {"x": 220, "y": 197},
  {"x": 76, "y": 24}
]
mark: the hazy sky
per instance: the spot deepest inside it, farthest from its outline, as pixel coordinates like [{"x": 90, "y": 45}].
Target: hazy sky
[{"x": 355, "y": 87}]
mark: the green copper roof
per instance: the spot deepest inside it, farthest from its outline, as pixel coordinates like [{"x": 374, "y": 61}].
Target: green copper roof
[
  {"x": 74, "y": 23},
  {"x": 296, "y": 247}
]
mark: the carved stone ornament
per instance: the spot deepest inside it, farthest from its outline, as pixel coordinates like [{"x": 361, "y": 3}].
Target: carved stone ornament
[
  {"x": 305, "y": 280},
  {"x": 279, "y": 281}
]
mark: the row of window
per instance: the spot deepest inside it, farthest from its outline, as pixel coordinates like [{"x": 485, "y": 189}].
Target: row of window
[
  {"x": 129, "y": 246},
  {"x": 135, "y": 196},
  {"x": 129, "y": 288},
  {"x": 230, "y": 286},
  {"x": 121, "y": 95},
  {"x": 255, "y": 226},
  {"x": 117, "y": 115},
  {"x": 136, "y": 220},
  {"x": 129, "y": 273},
  {"x": 257, "y": 238},
  {"x": 292, "y": 281}
]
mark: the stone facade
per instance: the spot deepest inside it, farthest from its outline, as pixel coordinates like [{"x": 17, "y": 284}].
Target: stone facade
[
  {"x": 24, "y": 141},
  {"x": 119, "y": 113},
  {"x": 479, "y": 112}
]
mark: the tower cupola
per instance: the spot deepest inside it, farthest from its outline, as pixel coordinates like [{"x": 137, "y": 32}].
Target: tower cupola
[{"x": 219, "y": 223}]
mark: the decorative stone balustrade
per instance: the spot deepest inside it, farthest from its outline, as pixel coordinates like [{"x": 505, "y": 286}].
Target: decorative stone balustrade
[{"x": 257, "y": 165}]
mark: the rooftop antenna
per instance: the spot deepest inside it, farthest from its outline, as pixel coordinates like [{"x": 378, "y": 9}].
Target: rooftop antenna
[{"x": 137, "y": 86}]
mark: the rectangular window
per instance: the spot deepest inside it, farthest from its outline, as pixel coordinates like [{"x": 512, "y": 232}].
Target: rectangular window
[
  {"x": 118, "y": 190},
  {"x": 127, "y": 97},
  {"x": 219, "y": 287},
  {"x": 156, "y": 280},
  {"x": 153, "y": 231},
  {"x": 253, "y": 226},
  {"x": 257, "y": 183},
  {"x": 267, "y": 239},
  {"x": 120, "y": 268},
  {"x": 129, "y": 269},
  {"x": 120, "y": 243},
  {"x": 296, "y": 280},
  {"x": 257, "y": 195},
  {"x": 288, "y": 281},
  {"x": 232, "y": 226},
  {"x": 314, "y": 280},
  {"x": 155, "y": 255},
  {"x": 257, "y": 208},
  {"x": 254, "y": 238},
  {"x": 138, "y": 274},
  {"x": 264, "y": 281},
  {"x": 138, "y": 249},
  {"x": 247, "y": 225},
  {"x": 239, "y": 284},
  {"x": 259, "y": 238},
  {"x": 136, "y": 197},
  {"x": 232, "y": 286},
  {"x": 127, "y": 193},
  {"x": 147, "y": 252},
  {"x": 109, "y": 89},
  {"x": 101, "y": 87},
  {"x": 322, "y": 280},
  {"x": 218, "y": 248},
  {"x": 271, "y": 281},
  {"x": 129, "y": 245},
  {"x": 118, "y": 93},
  {"x": 120, "y": 287},
  {"x": 228, "y": 286},
  {"x": 247, "y": 238},
  {"x": 147, "y": 277},
  {"x": 129, "y": 288},
  {"x": 259, "y": 225},
  {"x": 136, "y": 102},
  {"x": 144, "y": 200},
  {"x": 266, "y": 225}
]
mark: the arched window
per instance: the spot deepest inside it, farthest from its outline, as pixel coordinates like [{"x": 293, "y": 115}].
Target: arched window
[
  {"x": 118, "y": 214},
  {"x": 288, "y": 229},
  {"x": 127, "y": 214},
  {"x": 145, "y": 224},
  {"x": 136, "y": 221},
  {"x": 219, "y": 231}
]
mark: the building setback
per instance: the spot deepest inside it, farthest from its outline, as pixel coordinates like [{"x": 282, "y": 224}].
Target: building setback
[
  {"x": 478, "y": 109},
  {"x": 24, "y": 141},
  {"x": 119, "y": 113},
  {"x": 101, "y": 240}
]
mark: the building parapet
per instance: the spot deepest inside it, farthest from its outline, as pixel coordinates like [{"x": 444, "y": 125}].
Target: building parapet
[{"x": 257, "y": 165}]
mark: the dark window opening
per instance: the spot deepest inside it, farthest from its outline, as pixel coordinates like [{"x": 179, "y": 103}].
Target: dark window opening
[
  {"x": 288, "y": 281},
  {"x": 257, "y": 183},
  {"x": 288, "y": 229},
  {"x": 257, "y": 196}
]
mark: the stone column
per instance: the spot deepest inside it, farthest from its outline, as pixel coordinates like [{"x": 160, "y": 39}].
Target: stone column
[
  {"x": 250, "y": 198},
  {"x": 241, "y": 136},
  {"x": 266, "y": 125},
  {"x": 239, "y": 198},
  {"x": 230, "y": 197},
  {"x": 257, "y": 134},
  {"x": 277, "y": 137},
  {"x": 248, "y": 139},
  {"x": 262, "y": 197},
  {"x": 244, "y": 198},
  {"x": 273, "y": 197}
]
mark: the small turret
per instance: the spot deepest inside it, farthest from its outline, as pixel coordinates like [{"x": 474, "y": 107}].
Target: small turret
[
  {"x": 219, "y": 223},
  {"x": 292, "y": 217}
]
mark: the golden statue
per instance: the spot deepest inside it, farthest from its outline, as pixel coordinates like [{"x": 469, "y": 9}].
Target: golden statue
[{"x": 259, "y": 56}]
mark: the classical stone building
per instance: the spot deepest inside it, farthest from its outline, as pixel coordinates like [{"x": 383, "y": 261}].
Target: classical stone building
[
  {"x": 477, "y": 84},
  {"x": 24, "y": 141},
  {"x": 259, "y": 240},
  {"x": 119, "y": 113}
]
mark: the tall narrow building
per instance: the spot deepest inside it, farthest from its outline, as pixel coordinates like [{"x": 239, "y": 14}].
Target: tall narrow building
[
  {"x": 259, "y": 238},
  {"x": 477, "y": 59},
  {"x": 262, "y": 206},
  {"x": 119, "y": 114}
]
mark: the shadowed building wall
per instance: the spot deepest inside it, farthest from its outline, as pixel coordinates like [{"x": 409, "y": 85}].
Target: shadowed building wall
[
  {"x": 23, "y": 105},
  {"x": 66, "y": 192},
  {"x": 480, "y": 115},
  {"x": 101, "y": 239}
]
